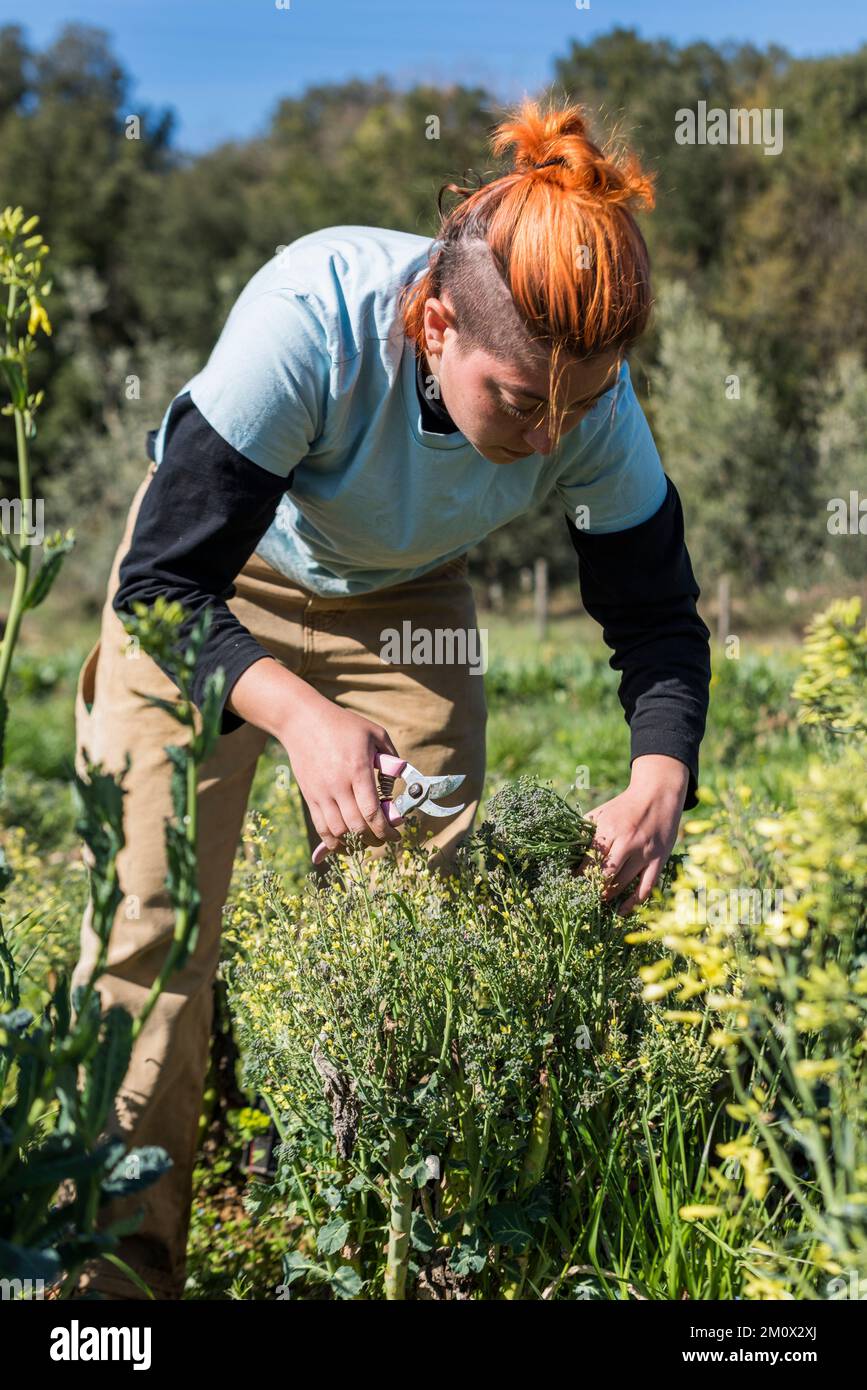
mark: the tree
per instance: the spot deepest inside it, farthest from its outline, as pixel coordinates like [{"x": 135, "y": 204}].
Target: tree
[
  {"x": 842, "y": 470},
  {"x": 719, "y": 439}
]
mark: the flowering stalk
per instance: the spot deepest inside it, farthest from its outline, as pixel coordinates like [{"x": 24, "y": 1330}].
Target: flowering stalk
[
  {"x": 533, "y": 1169},
  {"x": 22, "y": 253}
]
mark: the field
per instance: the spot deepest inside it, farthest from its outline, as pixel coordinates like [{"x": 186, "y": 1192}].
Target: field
[
  {"x": 554, "y": 715},
  {"x": 552, "y": 709}
]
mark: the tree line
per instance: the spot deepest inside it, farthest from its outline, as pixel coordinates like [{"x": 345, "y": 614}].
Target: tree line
[{"x": 753, "y": 374}]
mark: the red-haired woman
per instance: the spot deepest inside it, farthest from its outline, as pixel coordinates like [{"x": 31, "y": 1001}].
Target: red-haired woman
[{"x": 377, "y": 403}]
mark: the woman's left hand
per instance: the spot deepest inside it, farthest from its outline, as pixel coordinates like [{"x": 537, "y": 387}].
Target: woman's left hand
[{"x": 635, "y": 831}]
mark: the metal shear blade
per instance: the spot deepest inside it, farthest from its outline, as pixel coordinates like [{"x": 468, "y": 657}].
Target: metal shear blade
[{"x": 421, "y": 791}]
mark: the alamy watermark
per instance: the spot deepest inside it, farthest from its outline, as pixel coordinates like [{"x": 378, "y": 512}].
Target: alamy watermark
[
  {"x": 737, "y": 126},
  {"x": 439, "y": 646},
  {"x": 21, "y": 1290},
  {"x": 23, "y": 519},
  {"x": 727, "y": 907},
  {"x": 103, "y": 1343},
  {"x": 847, "y": 520}
]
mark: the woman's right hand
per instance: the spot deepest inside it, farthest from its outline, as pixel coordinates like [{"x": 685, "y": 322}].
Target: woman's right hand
[{"x": 331, "y": 749}]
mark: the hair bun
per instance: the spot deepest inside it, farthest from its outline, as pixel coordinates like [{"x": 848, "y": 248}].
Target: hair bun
[{"x": 558, "y": 139}]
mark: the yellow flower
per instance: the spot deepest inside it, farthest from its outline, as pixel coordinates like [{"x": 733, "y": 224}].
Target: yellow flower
[
  {"x": 38, "y": 319},
  {"x": 808, "y": 1068}
]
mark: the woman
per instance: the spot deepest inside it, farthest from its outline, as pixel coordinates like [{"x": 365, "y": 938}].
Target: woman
[{"x": 376, "y": 404}]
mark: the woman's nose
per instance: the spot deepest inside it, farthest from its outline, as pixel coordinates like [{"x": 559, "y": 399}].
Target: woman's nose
[{"x": 539, "y": 440}]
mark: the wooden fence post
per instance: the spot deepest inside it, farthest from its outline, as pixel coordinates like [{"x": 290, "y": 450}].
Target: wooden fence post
[
  {"x": 723, "y": 608},
  {"x": 540, "y": 597}
]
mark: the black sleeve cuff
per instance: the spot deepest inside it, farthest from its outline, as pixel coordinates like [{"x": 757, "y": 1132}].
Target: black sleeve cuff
[{"x": 673, "y": 744}]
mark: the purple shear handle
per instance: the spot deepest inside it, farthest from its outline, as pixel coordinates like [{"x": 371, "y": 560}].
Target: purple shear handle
[{"x": 419, "y": 793}]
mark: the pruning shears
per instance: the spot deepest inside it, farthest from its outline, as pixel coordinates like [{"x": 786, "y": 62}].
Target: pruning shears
[{"x": 419, "y": 794}]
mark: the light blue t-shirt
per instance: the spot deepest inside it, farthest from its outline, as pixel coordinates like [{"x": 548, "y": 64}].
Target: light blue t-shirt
[{"x": 313, "y": 374}]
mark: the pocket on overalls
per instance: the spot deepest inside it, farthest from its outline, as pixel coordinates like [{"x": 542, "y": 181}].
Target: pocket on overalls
[{"x": 85, "y": 692}]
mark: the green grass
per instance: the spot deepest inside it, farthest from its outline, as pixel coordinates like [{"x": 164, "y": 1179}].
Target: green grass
[{"x": 553, "y": 709}]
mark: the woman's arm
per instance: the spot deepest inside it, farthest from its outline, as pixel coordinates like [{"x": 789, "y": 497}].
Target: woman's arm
[
  {"x": 640, "y": 586},
  {"x": 202, "y": 515}
]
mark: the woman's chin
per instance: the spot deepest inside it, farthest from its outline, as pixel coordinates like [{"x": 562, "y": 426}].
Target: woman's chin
[{"x": 500, "y": 454}]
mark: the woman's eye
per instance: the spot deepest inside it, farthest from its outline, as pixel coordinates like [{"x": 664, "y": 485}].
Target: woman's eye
[{"x": 514, "y": 411}]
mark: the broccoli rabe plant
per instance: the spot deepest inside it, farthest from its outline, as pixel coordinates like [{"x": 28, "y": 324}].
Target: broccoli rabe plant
[
  {"x": 456, "y": 1068},
  {"x": 528, "y": 824}
]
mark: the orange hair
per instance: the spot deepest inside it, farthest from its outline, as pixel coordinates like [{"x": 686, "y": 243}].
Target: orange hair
[{"x": 562, "y": 237}]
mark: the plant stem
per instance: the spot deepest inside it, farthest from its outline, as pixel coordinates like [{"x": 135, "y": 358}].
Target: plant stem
[
  {"x": 400, "y": 1215},
  {"x": 533, "y": 1168},
  {"x": 22, "y": 562}
]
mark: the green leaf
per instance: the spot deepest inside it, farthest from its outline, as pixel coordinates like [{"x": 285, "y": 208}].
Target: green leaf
[
  {"x": 8, "y": 548},
  {"x": 296, "y": 1266},
  {"x": 510, "y": 1225},
  {"x": 172, "y": 707},
  {"x": 137, "y": 1169},
  {"x": 108, "y": 1068},
  {"x": 416, "y": 1173},
  {"x": 470, "y": 1255},
  {"x": 99, "y": 819},
  {"x": 40, "y": 585},
  {"x": 180, "y": 759},
  {"x": 346, "y": 1282},
  {"x": 421, "y": 1235},
  {"x": 60, "y": 1158},
  {"x": 14, "y": 377},
  {"x": 212, "y": 713},
  {"x": 331, "y": 1237}
]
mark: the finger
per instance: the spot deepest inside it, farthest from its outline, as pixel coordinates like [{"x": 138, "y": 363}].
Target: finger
[
  {"x": 333, "y": 817},
  {"x": 622, "y": 879},
  {"x": 355, "y": 822},
  {"x": 594, "y": 857},
  {"x": 644, "y": 889},
  {"x": 351, "y": 816},
  {"x": 614, "y": 864},
  {"x": 320, "y": 825},
  {"x": 369, "y": 809},
  {"x": 384, "y": 743}
]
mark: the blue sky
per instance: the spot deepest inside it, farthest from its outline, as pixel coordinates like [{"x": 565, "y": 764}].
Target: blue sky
[{"x": 224, "y": 64}]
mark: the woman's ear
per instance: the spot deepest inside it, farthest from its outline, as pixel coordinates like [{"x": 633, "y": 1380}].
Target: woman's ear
[{"x": 438, "y": 316}]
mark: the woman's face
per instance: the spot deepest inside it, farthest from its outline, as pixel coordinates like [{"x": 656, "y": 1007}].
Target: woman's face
[{"x": 501, "y": 406}]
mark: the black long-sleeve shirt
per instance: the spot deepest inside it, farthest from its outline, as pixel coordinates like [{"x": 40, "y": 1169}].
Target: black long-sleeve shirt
[{"x": 207, "y": 507}]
